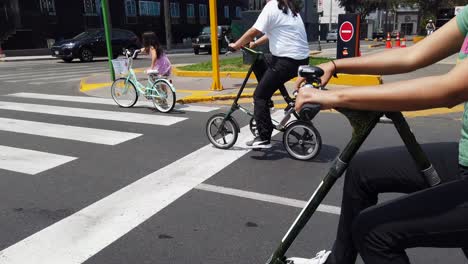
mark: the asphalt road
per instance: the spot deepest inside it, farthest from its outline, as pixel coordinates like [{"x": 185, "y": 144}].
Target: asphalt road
[{"x": 91, "y": 183}]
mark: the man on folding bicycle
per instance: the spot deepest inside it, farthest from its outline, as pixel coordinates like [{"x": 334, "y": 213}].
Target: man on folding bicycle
[{"x": 282, "y": 24}]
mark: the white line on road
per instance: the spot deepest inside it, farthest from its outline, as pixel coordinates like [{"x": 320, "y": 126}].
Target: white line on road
[
  {"x": 44, "y": 72},
  {"x": 60, "y": 81},
  {"x": 52, "y": 76},
  {"x": 93, "y": 114},
  {"x": 29, "y": 161},
  {"x": 91, "y": 135},
  {"x": 78, "y": 237},
  {"x": 104, "y": 101},
  {"x": 266, "y": 198}
]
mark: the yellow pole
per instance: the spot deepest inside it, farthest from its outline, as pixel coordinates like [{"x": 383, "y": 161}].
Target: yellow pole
[{"x": 216, "y": 85}]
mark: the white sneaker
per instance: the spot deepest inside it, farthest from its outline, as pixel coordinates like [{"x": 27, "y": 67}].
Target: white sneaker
[{"x": 320, "y": 258}]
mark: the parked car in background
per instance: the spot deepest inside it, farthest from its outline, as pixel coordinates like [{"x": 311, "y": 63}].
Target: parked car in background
[
  {"x": 86, "y": 45},
  {"x": 332, "y": 35},
  {"x": 379, "y": 34},
  {"x": 203, "y": 41},
  {"x": 395, "y": 32}
]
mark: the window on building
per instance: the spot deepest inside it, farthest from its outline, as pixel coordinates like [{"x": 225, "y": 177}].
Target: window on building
[
  {"x": 226, "y": 11},
  {"x": 175, "y": 9},
  {"x": 130, "y": 8},
  {"x": 150, "y": 8},
  {"x": 91, "y": 7},
  {"x": 203, "y": 10},
  {"x": 48, "y": 7},
  {"x": 190, "y": 10},
  {"x": 238, "y": 11}
]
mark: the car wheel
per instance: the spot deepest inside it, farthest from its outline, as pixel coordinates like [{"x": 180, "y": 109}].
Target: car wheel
[
  {"x": 328, "y": 41},
  {"x": 196, "y": 51},
  {"x": 86, "y": 55},
  {"x": 67, "y": 60}
]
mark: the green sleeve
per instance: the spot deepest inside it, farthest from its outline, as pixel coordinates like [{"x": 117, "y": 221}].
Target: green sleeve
[{"x": 462, "y": 21}]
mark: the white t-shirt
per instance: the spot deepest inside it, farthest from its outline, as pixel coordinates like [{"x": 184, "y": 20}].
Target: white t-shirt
[{"x": 286, "y": 33}]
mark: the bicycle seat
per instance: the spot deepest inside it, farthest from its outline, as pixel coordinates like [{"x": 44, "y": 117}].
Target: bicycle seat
[
  {"x": 151, "y": 72},
  {"x": 310, "y": 72}
]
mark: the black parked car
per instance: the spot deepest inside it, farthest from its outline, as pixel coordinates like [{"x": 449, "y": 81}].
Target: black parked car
[
  {"x": 93, "y": 43},
  {"x": 203, "y": 41}
]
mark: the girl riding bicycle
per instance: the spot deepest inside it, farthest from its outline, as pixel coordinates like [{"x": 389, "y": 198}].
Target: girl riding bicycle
[
  {"x": 159, "y": 59},
  {"x": 426, "y": 216}
]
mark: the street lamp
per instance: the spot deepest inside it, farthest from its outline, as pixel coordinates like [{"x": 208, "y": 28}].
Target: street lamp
[{"x": 319, "y": 48}]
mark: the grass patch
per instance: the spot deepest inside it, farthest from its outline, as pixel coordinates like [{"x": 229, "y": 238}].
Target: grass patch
[{"x": 236, "y": 65}]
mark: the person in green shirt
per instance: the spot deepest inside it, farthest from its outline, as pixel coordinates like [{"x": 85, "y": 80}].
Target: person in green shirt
[{"x": 426, "y": 216}]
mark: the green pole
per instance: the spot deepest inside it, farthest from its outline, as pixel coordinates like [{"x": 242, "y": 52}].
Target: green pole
[{"x": 107, "y": 30}]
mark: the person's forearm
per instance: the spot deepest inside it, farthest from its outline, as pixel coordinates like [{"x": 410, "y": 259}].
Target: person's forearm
[
  {"x": 248, "y": 36},
  {"x": 262, "y": 40},
  {"x": 410, "y": 95}
]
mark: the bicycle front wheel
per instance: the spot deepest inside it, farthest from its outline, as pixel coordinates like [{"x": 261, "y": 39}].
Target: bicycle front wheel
[
  {"x": 163, "y": 96},
  {"x": 222, "y": 132},
  {"x": 124, "y": 92},
  {"x": 302, "y": 140}
]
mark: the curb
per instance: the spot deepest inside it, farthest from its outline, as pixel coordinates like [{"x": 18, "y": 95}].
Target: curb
[
  {"x": 375, "y": 45},
  {"x": 343, "y": 79},
  {"x": 11, "y": 59}
]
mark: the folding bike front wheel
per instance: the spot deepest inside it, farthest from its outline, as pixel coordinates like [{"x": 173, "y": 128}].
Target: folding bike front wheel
[
  {"x": 222, "y": 132},
  {"x": 124, "y": 92},
  {"x": 162, "y": 95},
  {"x": 302, "y": 140}
]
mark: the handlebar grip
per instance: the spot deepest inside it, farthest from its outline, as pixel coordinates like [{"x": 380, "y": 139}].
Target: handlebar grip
[{"x": 309, "y": 111}]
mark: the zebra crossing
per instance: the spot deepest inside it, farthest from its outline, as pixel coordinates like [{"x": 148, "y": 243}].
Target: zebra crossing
[
  {"x": 39, "y": 75},
  {"x": 33, "y": 161}
]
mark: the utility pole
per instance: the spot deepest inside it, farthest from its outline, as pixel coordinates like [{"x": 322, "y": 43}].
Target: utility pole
[
  {"x": 167, "y": 23},
  {"x": 331, "y": 13},
  {"x": 107, "y": 31}
]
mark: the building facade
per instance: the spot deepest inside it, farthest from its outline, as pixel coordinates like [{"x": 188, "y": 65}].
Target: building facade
[{"x": 36, "y": 23}]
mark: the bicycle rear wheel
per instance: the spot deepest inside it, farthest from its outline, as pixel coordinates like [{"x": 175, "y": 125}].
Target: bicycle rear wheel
[
  {"x": 302, "y": 140},
  {"x": 163, "y": 96},
  {"x": 124, "y": 92}
]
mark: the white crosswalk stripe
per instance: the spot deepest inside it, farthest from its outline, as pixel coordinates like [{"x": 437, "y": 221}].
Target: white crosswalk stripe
[
  {"x": 105, "y": 101},
  {"x": 51, "y": 76},
  {"x": 91, "y": 135},
  {"x": 93, "y": 114},
  {"x": 29, "y": 161}
]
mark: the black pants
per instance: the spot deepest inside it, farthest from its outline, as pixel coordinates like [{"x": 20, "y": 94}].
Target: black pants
[
  {"x": 280, "y": 71},
  {"x": 426, "y": 217}
]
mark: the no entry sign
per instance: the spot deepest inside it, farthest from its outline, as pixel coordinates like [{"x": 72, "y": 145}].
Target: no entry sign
[{"x": 346, "y": 31}]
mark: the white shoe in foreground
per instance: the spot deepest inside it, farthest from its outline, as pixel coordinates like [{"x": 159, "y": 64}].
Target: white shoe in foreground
[{"x": 320, "y": 258}]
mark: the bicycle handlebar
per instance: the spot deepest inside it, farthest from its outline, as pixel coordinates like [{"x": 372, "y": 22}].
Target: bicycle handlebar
[
  {"x": 243, "y": 48},
  {"x": 129, "y": 54}
]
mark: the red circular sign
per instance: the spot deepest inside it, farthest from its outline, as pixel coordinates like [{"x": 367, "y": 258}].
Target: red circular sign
[{"x": 346, "y": 31}]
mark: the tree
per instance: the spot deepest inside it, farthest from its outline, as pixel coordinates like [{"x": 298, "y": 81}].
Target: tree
[
  {"x": 362, "y": 7},
  {"x": 167, "y": 22}
]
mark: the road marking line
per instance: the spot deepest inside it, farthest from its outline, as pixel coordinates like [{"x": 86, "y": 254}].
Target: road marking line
[
  {"x": 105, "y": 101},
  {"x": 45, "y": 73},
  {"x": 29, "y": 161},
  {"x": 93, "y": 114},
  {"x": 78, "y": 237},
  {"x": 51, "y": 77},
  {"x": 91, "y": 135},
  {"x": 266, "y": 198},
  {"x": 60, "y": 81}
]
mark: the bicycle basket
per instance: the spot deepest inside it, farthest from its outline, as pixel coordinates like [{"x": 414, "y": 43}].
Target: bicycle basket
[{"x": 120, "y": 66}]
